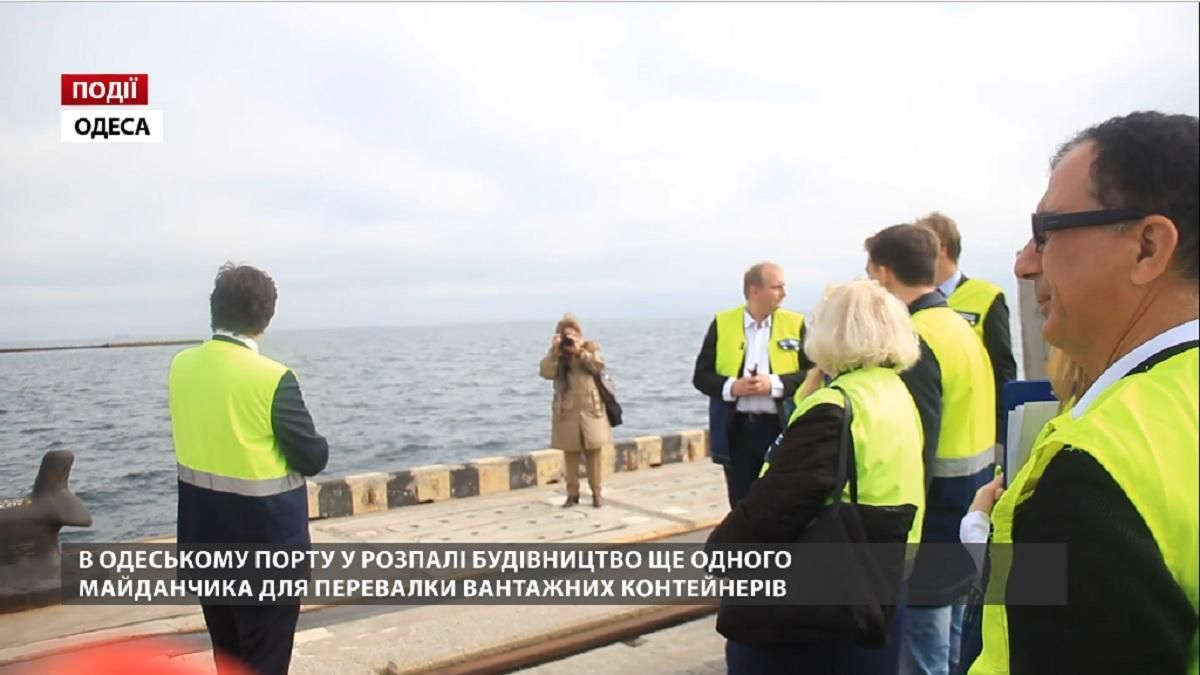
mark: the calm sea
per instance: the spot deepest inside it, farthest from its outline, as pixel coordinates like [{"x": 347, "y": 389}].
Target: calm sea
[{"x": 386, "y": 398}]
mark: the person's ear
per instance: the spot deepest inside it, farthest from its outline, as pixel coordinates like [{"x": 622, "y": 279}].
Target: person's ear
[
  {"x": 1155, "y": 239},
  {"x": 884, "y": 273}
]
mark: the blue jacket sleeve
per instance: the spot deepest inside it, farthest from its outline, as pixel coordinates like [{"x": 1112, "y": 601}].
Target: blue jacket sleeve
[
  {"x": 306, "y": 451},
  {"x": 924, "y": 382}
]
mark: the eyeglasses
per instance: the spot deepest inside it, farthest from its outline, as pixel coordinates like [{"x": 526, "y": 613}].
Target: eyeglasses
[{"x": 1048, "y": 222}]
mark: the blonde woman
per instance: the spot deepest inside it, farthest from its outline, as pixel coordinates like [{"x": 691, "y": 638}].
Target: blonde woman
[
  {"x": 580, "y": 424},
  {"x": 861, "y": 336}
]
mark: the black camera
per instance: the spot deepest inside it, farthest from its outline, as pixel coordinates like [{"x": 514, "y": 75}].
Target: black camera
[{"x": 566, "y": 342}]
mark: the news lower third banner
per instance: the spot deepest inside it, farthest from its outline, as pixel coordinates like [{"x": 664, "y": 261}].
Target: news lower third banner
[{"x": 545, "y": 574}]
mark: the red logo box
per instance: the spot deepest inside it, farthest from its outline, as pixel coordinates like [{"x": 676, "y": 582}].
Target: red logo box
[{"x": 106, "y": 89}]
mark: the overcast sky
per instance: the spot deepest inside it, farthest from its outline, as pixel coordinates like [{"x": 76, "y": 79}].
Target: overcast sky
[{"x": 415, "y": 163}]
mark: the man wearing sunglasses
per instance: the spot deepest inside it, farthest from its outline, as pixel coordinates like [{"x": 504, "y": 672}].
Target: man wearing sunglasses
[{"x": 1115, "y": 264}]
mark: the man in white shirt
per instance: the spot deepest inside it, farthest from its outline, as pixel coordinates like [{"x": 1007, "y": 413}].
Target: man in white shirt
[
  {"x": 1115, "y": 263},
  {"x": 751, "y": 362}
]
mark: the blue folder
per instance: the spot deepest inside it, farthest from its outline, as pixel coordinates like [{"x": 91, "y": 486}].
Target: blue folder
[{"x": 1023, "y": 391}]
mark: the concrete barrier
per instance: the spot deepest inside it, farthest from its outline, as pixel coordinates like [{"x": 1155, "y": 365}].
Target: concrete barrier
[
  {"x": 30, "y": 557},
  {"x": 372, "y": 492},
  {"x": 1033, "y": 345}
]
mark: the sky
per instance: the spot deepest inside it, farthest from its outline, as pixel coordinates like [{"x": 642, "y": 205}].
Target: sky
[{"x": 395, "y": 164}]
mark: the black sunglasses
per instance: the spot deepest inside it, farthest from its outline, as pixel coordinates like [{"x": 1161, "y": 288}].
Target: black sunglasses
[{"x": 1047, "y": 222}]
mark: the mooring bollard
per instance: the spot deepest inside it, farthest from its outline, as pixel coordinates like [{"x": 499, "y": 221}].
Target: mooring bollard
[{"x": 30, "y": 557}]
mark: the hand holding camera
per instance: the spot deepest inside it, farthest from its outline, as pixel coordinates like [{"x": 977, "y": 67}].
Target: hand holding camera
[{"x": 567, "y": 343}]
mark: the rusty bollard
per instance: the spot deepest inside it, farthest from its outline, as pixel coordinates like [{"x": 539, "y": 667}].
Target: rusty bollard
[{"x": 30, "y": 557}]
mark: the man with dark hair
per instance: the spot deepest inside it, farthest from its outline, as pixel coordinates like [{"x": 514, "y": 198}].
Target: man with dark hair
[
  {"x": 953, "y": 388},
  {"x": 1113, "y": 259},
  {"x": 980, "y": 302},
  {"x": 751, "y": 362},
  {"x": 244, "y": 440}
]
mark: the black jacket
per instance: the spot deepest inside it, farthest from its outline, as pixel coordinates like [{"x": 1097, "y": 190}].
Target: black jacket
[
  {"x": 997, "y": 339},
  {"x": 780, "y": 505},
  {"x": 707, "y": 381},
  {"x": 1124, "y": 612}
]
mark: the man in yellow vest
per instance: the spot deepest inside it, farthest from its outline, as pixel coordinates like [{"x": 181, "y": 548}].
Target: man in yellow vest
[
  {"x": 751, "y": 362},
  {"x": 244, "y": 440},
  {"x": 1115, "y": 264},
  {"x": 953, "y": 388},
  {"x": 980, "y": 302}
]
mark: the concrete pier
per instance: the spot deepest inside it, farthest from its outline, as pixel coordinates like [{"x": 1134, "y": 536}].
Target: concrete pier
[
  {"x": 1033, "y": 345},
  {"x": 659, "y": 498},
  {"x": 365, "y": 493}
]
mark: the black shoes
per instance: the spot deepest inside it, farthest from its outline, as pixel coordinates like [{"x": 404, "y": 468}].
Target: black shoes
[{"x": 574, "y": 501}]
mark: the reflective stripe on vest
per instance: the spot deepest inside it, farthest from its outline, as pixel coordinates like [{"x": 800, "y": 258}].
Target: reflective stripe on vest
[
  {"x": 240, "y": 486},
  {"x": 1144, "y": 432},
  {"x": 220, "y": 396},
  {"x": 957, "y": 467},
  {"x": 887, "y": 435},
  {"x": 783, "y": 351},
  {"x": 972, "y": 300},
  {"x": 967, "y": 437}
]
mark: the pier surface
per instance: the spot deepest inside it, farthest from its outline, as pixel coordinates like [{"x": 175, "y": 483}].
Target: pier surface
[{"x": 653, "y": 503}]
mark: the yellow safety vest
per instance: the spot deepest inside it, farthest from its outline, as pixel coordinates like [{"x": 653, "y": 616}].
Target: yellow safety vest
[
  {"x": 887, "y": 435},
  {"x": 220, "y": 395},
  {"x": 967, "y": 437},
  {"x": 1143, "y": 431},
  {"x": 783, "y": 351},
  {"x": 972, "y": 300}
]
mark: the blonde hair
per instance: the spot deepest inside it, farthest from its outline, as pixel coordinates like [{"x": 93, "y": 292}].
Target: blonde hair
[
  {"x": 859, "y": 325},
  {"x": 1066, "y": 377}
]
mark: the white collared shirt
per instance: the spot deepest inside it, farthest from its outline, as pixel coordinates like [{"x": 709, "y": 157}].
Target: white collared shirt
[
  {"x": 249, "y": 342},
  {"x": 1178, "y": 335},
  {"x": 757, "y": 361},
  {"x": 976, "y": 525},
  {"x": 950, "y": 284}
]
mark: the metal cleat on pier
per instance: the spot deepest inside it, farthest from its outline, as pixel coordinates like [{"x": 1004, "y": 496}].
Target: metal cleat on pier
[{"x": 30, "y": 557}]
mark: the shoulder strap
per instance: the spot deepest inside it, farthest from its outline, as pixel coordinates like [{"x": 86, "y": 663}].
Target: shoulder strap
[{"x": 847, "y": 471}]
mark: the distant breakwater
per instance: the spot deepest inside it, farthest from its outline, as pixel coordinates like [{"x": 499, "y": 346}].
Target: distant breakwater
[{"x": 103, "y": 345}]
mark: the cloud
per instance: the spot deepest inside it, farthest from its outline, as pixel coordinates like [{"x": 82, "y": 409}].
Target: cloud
[{"x": 385, "y": 161}]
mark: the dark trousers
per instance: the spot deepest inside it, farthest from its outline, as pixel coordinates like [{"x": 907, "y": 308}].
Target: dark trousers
[
  {"x": 749, "y": 438},
  {"x": 257, "y": 637}
]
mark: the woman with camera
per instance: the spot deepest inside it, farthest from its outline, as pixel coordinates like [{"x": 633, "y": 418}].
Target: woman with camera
[
  {"x": 861, "y": 337},
  {"x": 580, "y": 424}
]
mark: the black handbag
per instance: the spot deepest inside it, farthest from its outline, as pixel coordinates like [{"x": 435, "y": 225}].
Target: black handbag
[
  {"x": 871, "y": 575},
  {"x": 608, "y": 394}
]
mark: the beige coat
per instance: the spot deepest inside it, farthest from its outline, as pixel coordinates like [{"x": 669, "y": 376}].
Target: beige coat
[{"x": 579, "y": 420}]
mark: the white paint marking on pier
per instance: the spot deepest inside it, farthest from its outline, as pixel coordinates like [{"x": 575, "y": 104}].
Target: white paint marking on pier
[{"x": 311, "y": 635}]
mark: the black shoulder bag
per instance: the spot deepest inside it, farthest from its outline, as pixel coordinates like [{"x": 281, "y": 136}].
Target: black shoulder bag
[
  {"x": 865, "y": 579},
  {"x": 608, "y": 394},
  {"x": 871, "y": 574}
]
